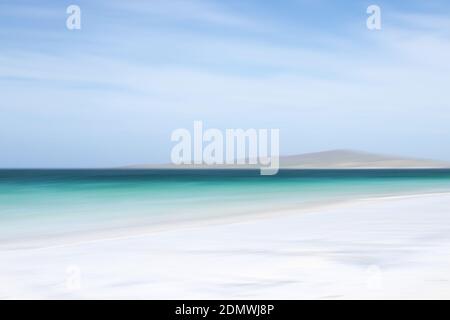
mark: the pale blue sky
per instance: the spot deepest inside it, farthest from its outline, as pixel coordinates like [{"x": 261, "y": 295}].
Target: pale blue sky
[{"x": 111, "y": 93}]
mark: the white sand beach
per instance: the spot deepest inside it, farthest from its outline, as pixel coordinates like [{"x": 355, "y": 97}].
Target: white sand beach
[{"x": 375, "y": 248}]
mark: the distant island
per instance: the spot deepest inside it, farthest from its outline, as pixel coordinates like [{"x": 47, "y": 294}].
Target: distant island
[{"x": 332, "y": 159}]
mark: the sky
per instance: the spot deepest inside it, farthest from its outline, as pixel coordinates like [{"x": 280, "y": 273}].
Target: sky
[{"x": 111, "y": 93}]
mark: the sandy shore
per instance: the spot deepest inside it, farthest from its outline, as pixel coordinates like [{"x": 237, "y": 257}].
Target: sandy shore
[{"x": 379, "y": 248}]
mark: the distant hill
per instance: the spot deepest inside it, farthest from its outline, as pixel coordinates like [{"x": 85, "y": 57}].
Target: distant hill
[
  {"x": 333, "y": 159},
  {"x": 356, "y": 159}
]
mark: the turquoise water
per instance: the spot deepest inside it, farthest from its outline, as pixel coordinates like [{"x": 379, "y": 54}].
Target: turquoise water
[{"x": 56, "y": 202}]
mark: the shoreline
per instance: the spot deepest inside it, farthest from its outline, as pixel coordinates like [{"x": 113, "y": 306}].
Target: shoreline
[
  {"x": 379, "y": 249},
  {"x": 133, "y": 231}
]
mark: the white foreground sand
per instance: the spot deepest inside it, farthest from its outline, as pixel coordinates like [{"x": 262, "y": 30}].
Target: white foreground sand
[{"x": 379, "y": 248}]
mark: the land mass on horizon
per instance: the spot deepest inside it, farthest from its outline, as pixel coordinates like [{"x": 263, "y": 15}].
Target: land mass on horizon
[{"x": 331, "y": 159}]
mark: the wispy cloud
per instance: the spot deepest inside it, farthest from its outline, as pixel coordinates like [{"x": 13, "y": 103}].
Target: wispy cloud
[
  {"x": 208, "y": 12},
  {"x": 153, "y": 76}
]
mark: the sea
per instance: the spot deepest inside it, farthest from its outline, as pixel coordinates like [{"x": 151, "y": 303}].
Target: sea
[{"x": 53, "y": 203}]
